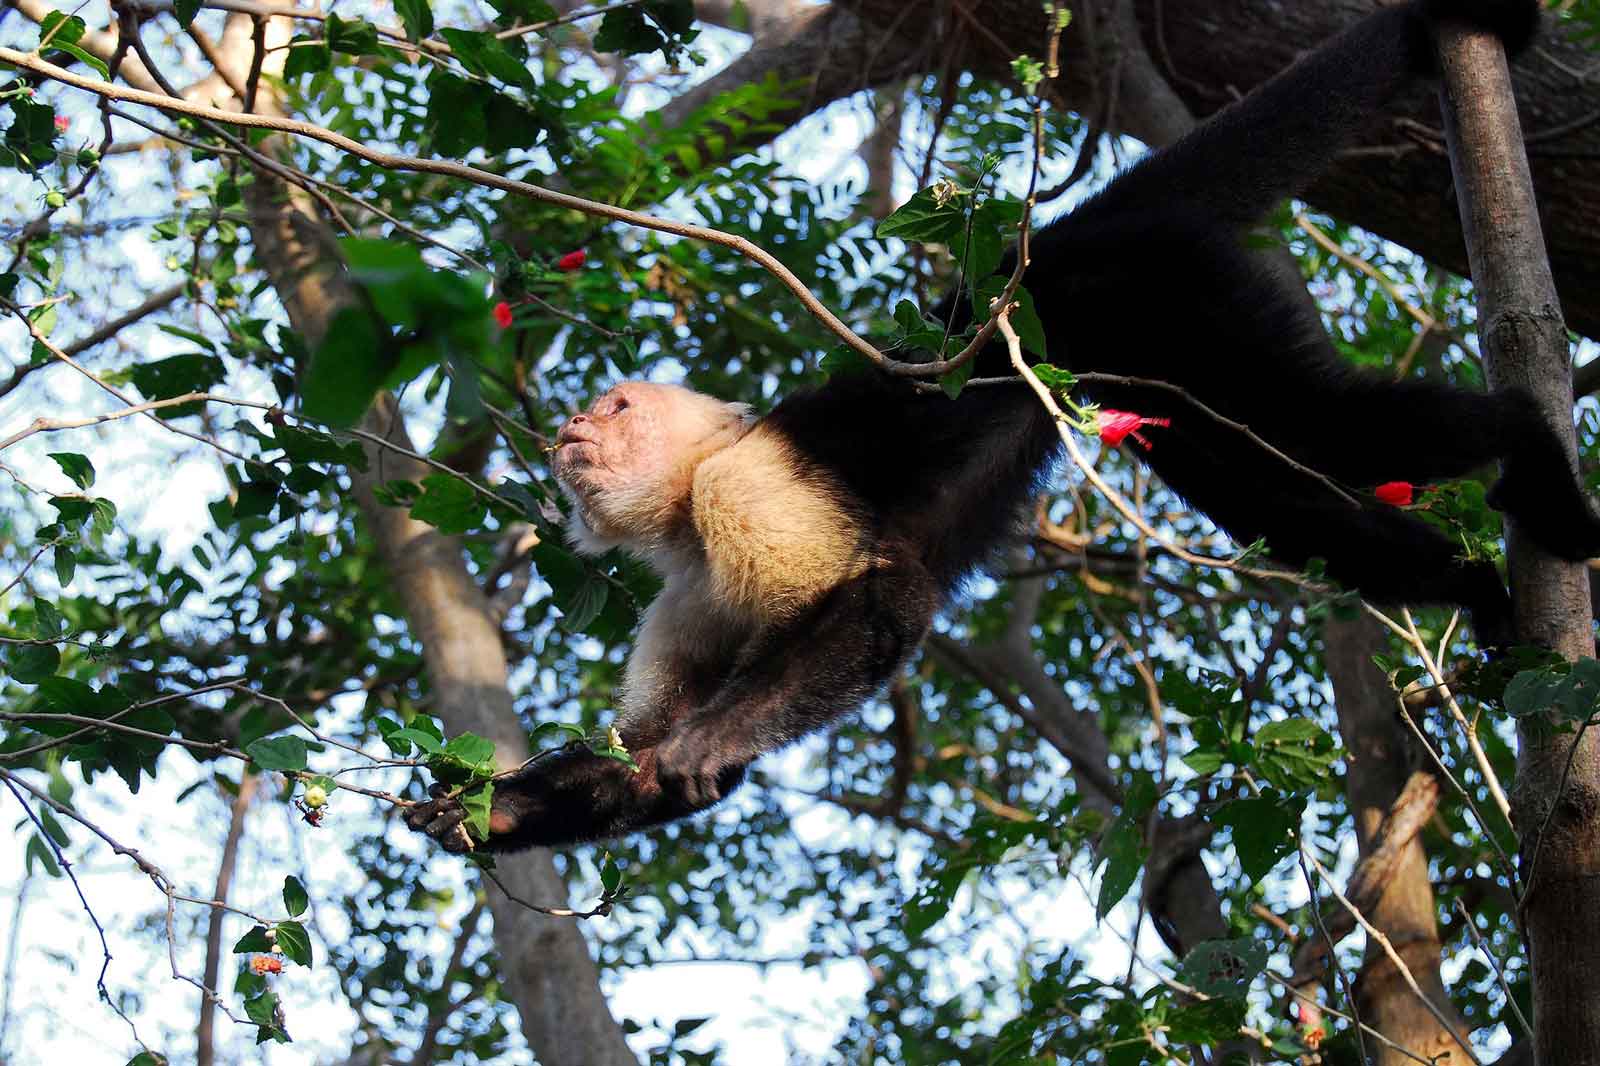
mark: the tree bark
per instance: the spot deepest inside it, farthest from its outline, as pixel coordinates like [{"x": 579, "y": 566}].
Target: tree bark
[
  {"x": 548, "y": 971},
  {"x": 1375, "y": 773},
  {"x": 1557, "y": 795}
]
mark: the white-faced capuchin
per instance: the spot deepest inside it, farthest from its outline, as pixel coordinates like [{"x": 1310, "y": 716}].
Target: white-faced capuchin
[{"x": 805, "y": 553}]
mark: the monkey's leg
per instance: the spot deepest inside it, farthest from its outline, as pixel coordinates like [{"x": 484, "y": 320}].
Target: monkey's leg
[
  {"x": 1391, "y": 557},
  {"x": 1421, "y": 431},
  {"x": 799, "y": 677}
]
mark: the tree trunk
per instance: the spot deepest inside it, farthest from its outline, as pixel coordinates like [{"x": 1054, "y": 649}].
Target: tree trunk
[
  {"x": 546, "y": 965},
  {"x": 1557, "y": 794},
  {"x": 1375, "y": 772}
]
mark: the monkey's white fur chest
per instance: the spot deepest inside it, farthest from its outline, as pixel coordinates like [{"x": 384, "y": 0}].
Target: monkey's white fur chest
[{"x": 772, "y": 536}]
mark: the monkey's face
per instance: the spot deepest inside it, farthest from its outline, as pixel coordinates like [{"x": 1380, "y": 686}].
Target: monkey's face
[{"x": 628, "y": 462}]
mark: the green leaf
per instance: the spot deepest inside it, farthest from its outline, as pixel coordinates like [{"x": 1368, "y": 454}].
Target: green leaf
[
  {"x": 295, "y": 898},
  {"x": 294, "y": 942},
  {"x": 1210, "y": 1022},
  {"x": 577, "y": 732},
  {"x": 66, "y": 563},
  {"x": 37, "y": 851},
  {"x": 185, "y": 11},
  {"x": 253, "y": 942},
  {"x": 303, "y": 445},
  {"x": 148, "y": 1058},
  {"x": 524, "y": 11},
  {"x": 450, "y": 504},
  {"x": 178, "y": 375},
  {"x": 28, "y": 664},
  {"x": 306, "y": 56},
  {"x": 417, "y": 18},
  {"x": 486, "y": 55},
  {"x": 426, "y": 742},
  {"x": 1562, "y": 691},
  {"x": 256, "y": 499},
  {"x": 478, "y": 802},
  {"x": 471, "y": 749},
  {"x": 1124, "y": 852},
  {"x": 611, "y": 877},
  {"x": 1263, "y": 829},
  {"x": 346, "y": 371},
  {"x": 64, "y": 32},
  {"x": 72, "y": 511},
  {"x": 355, "y": 37},
  {"x": 663, "y": 24},
  {"x": 980, "y": 253},
  {"x": 585, "y": 604},
  {"x": 923, "y": 219},
  {"x": 1224, "y": 968},
  {"x": 104, "y": 514},
  {"x": 262, "y": 1009},
  {"x": 286, "y": 753},
  {"x": 75, "y": 466}
]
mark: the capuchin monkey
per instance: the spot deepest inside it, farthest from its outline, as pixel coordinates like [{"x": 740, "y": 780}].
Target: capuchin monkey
[{"x": 805, "y": 553}]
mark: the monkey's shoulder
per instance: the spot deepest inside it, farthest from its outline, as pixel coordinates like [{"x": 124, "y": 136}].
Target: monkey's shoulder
[{"x": 778, "y": 529}]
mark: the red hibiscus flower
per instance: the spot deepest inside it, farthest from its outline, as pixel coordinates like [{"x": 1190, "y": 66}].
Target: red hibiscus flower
[
  {"x": 571, "y": 261},
  {"x": 62, "y": 122},
  {"x": 502, "y": 314},
  {"x": 1396, "y": 493},
  {"x": 1115, "y": 426}
]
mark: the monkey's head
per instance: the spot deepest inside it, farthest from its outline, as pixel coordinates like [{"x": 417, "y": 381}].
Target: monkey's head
[{"x": 628, "y": 462}]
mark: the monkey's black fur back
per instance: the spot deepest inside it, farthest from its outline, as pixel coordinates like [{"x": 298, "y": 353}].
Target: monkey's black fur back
[{"x": 1151, "y": 279}]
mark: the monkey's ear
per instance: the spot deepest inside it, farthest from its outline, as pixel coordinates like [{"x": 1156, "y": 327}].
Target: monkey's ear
[{"x": 744, "y": 413}]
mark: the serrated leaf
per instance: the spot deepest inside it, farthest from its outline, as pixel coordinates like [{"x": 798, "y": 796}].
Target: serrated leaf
[
  {"x": 922, "y": 219},
  {"x": 470, "y": 749},
  {"x": 294, "y": 942}
]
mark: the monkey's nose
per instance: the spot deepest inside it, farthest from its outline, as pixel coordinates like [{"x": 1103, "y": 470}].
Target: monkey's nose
[{"x": 570, "y": 431}]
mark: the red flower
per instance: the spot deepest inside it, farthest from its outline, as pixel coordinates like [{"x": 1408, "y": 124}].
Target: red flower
[
  {"x": 1396, "y": 493},
  {"x": 502, "y": 314},
  {"x": 1115, "y": 426},
  {"x": 571, "y": 261},
  {"x": 62, "y": 122}
]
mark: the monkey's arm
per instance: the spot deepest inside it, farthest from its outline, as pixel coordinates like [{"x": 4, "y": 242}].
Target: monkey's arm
[
  {"x": 1275, "y": 141},
  {"x": 795, "y": 679}
]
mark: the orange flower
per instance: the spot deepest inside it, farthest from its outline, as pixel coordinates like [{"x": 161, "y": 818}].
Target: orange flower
[
  {"x": 1396, "y": 493},
  {"x": 502, "y": 314},
  {"x": 1115, "y": 426},
  {"x": 571, "y": 261}
]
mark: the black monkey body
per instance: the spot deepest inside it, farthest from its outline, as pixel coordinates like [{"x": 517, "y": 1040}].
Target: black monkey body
[{"x": 805, "y": 554}]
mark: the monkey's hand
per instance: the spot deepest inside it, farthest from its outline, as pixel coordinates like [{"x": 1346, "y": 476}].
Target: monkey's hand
[
  {"x": 443, "y": 818},
  {"x": 697, "y": 767}
]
